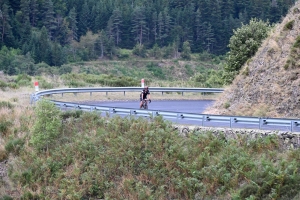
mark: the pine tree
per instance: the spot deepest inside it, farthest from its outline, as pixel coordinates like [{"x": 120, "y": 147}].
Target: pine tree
[
  {"x": 6, "y": 35},
  {"x": 115, "y": 25},
  {"x": 154, "y": 27},
  {"x": 33, "y": 12},
  {"x": 43, "y": 47},
  {"x": 49, "y": 21},
  {"x": 72, "y": 19},
  {"x": 84, "y": 19},
  {"x": 139, "y": 28},
  {"x": 25, "y": 11}
]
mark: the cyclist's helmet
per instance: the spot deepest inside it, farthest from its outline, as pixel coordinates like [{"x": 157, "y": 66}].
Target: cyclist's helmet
[{"x": 146, "y": 87}]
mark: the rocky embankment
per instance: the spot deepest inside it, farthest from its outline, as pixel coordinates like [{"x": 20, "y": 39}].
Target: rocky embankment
[
  {"x": 288, "y": 140},
  {"x": 269, "y": 83}
]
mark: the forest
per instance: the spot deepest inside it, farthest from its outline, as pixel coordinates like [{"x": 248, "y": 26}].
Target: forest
[{"x": 56, "y": 32}]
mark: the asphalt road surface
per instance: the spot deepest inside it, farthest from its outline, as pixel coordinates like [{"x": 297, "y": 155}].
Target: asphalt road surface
[{"x": 187, "y": 106}]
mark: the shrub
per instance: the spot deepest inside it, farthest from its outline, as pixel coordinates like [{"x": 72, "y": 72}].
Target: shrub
[
  {"x": 289, "y": 25},
  {"x": 3, "y": 85},
  {"x": 243, "y": 45},
  {"x": 6, "y": 104},
  {"x": 14, "y": 145},
  {"x": 139, "y": 50},
  {"x": 72, "y": 113},
  {"x": 5, "y": 126},
  {"x": 155, "y": 70},
  {"x": 47, "y": 125}
]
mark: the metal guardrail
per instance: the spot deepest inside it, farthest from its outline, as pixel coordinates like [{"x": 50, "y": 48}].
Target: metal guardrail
[
  {"x": 292, "y": 125},
  {"x": 201, "y": 119},
  {"x": 37, "y": 95}
]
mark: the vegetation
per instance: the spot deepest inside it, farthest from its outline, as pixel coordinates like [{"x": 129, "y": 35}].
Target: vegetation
[
  {"x": 133, "y": 158},
  {"x": 59, "y": 32},
  {"x": 243, "y": 45}
]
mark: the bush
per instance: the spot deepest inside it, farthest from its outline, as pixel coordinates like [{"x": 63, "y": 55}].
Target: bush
[
  {"x": 6, "y": 104},
  {"x": 156, "y": 70},
  {"x": 289, "y": 25},
  {"x": 47, "y": 125},
  {"x": 243, "y": 45},
  {"x": 139, "y": 50},
  {"x": 14, "y": 145}
]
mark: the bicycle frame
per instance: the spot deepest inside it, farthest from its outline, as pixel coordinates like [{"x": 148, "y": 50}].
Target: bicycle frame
[{"x": 145, "y": 104}]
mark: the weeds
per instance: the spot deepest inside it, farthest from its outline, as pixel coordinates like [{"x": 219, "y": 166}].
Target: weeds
[
  {"x": 289, "y": 25},
  {"x": 136, "y": 158}
]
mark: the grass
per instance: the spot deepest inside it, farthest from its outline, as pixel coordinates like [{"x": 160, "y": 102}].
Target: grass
[{"x": 134, "y": 158}]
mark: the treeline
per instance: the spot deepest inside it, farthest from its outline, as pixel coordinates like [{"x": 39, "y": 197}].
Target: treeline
[{"x": 61, "y": 31}]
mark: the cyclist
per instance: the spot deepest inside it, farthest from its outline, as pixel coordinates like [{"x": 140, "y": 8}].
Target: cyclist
[{"x": 143, "y": 95}]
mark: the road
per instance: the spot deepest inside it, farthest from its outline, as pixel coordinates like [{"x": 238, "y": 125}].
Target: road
[{"x": 187, "y": 106}]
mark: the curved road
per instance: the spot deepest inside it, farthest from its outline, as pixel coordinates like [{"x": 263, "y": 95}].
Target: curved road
[{"x": 187, "y": 106}]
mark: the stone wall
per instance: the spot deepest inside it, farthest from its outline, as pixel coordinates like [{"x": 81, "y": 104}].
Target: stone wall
[{"x": 289, "y": 140}]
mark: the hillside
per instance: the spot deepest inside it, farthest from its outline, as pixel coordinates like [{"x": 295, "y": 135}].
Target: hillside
[{"x": 268, "y": 84}]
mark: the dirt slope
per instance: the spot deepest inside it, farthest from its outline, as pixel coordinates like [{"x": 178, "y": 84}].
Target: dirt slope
[{"x": 268, "y": 84}]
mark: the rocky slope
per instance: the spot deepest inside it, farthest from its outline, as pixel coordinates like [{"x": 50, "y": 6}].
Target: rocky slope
[{"x": 268, "y": 84}]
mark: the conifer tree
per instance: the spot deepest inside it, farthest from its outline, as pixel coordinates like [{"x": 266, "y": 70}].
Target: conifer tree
[
  {"x": 139, "y": 27},
  {"x": 72, "y": 19}
]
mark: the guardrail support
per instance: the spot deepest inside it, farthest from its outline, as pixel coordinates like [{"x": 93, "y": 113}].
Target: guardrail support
[
  {"x": 132, "y": 112},
  {"x": 90, "y": 94},
  {"x": 180, "y": 116},
  {"x": 155, "y": 113}
]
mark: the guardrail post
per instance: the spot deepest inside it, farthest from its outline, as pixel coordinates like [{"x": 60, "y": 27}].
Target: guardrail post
[
  {"x": 112, "y": 110},
  {"x": 203, "y": 119},
  {"x": 293, "y": 124},
  {"x": 155, "y": 113},
  {"x": 124, "y": 93},
  {"x": 181, "y": 93},
  {"x": 106, "y": 93},
  {"x": 260, "y": 123},
  {"x": 162, "y": 93},
  {"x": 232, "y": 121},
  {"x": 62, "y": 94},
  {"x": 90, "y": 94},
  {"x": 132, "y": 112},
  {"x": 75, "y": 94},
  {"x": 180, "y": 116}
]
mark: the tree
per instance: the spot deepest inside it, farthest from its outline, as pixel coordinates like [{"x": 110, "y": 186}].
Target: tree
[
  {"x": 114, "y": 26},
  {"x": 243, "y": 45},
  {"x": 49, "y": 20},
  {"x": 25, "y": 11},
  {"x": 5, "y": 27},
  {"x": 34, "y": 12},
  {"x": 72, "y": 19},
  {"x": 139, "y": 28},
  {"x": 41, "y": 46},
  {"x": 47, "y": 125},
  {"x": 84, "y": 19},
  {"x": 186, "y": 51}
]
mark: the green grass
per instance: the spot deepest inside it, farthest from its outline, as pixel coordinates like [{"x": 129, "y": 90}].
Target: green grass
[{"x": 129, "y": 158}]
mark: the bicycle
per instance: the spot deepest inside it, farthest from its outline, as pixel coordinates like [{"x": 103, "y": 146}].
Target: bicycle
[{"x": 145, "y": 104}]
